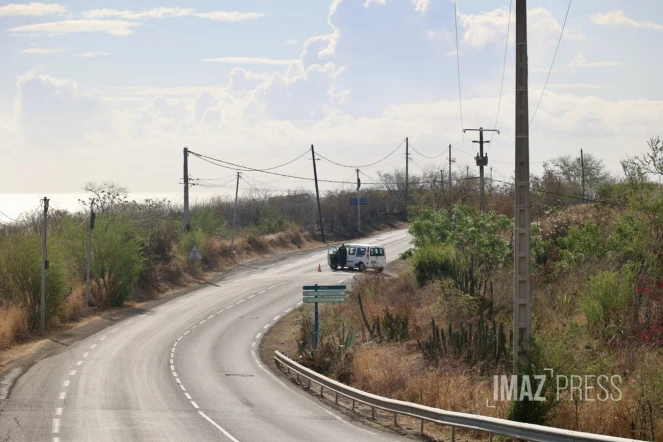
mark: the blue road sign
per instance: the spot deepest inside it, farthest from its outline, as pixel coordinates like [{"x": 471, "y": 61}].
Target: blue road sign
[
  {"x": 360, "y": 202},
  {"x": 325, "y": 287}
]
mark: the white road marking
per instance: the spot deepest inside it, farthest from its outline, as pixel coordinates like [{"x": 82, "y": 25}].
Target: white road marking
[
  {"x": 255, "y": 274},
  {"x": 62, "y": 396},
  {"x": 65, "y": 384},
  {"x": 102, "y": 338},
  {"x": 230, "y": 306},
  {"x": 114, "y": 330},
  {"x": 239, "y": 302},
  {"x": 174, "y": 374},
  {"x": 210, "y": 316},
  {"x": 261, "y": 292},
  {"x": 93, "y": 345},
  {"x": 258, "y": 335},
  {"x": 250, "y": 297},
  {"x": 288, "y": 310},
  {"x": 297, "y": 262},
  {"x": 220, "y": 311},
  {"x": 300, "y": 303},
  {"x": 267, "y": 325},
  {"x": 129, "y": 322},
  {"x": 72, "y": 372},
  {"x": 58, "y": 411},
  {"x": 172, "y": 367},
  {"x": 179, "y": 339},
  {"x": 178, "y": 381},
  {"x": 86, "y": 354},
  {"x": 340, "y": 281},
  {"x": 271, "y": 270},
  {"x": 185, "y": 333},
  {"x": 143, "y": 315},
  {"x": 56, "y": 439},
  {"x": 188, "y": 396},
  {"x": 219, "y": 427},
  {"x": 182, "y": 387},
  {"x": 171, "y": 361},
  {"x": 202, "y": 322},
  {"x": 269, "y": 288},
  {"x": 56, "y": 426},
  {"x": 276, "y": 318},
  {"x": 253, "y": 344},
  {"x": 79, "y": 362},
  {"x": 194, "y": 326},
  {"x": 281, "y": 283},
  {"x": 194, "y": 405}
]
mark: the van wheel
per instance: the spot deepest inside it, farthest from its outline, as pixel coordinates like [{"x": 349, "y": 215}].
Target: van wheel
[
  {"x": 361, "y": 267},
  {"x": 380, "y": 269},
  {"x": 334, "y": 267}
]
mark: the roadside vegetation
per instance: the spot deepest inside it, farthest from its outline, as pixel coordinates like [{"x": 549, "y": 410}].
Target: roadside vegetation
[{"x": 436, "y": 331}]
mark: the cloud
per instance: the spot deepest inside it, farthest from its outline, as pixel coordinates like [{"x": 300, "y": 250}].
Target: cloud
[
  {"x": 112, "y": 27},
  {"x": 43, "y": 51},
  {"x": 249, "y": 60},
  {"x": 579, "y": 61},
  {"x": 617, "y": 18},
  {"x": 93, "y": 54},
  {"x": 157, "y": 13},
  {"x": 291, "y": 42},
  {"x": 31, "y": 9},
  {"x": 421, "y": 5},
  {"x": 367, "y": 3}
]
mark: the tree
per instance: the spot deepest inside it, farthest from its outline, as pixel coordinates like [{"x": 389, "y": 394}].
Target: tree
[{"x": 570, "y": 169}]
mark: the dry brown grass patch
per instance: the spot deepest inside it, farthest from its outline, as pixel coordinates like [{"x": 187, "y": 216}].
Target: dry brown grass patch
[{"x": 13, "y": 326}]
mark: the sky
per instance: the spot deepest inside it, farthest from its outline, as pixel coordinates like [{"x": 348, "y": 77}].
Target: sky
[{"x": 97, "y": 90}]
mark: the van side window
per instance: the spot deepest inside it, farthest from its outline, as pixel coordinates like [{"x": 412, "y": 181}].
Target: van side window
[
  {"x": 377, "y": 251},
  {"x": 352, "y": 250},
  {"x": 361, "y": 251}
]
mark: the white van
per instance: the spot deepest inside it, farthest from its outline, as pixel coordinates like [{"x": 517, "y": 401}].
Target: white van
[{"x": 359, "y": 256}]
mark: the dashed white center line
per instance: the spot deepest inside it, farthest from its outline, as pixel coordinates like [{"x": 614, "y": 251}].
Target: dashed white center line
[
  {"x": 261, "y": 292},
  {"x": 210, "y": 316},
  {"x": 269, "y": 288},
  {"x": 58, "y": 411},
  {"x": 258, "y": 335},
  {"x": 267, "y": 326},
  {"x": 194, "y": 405},
  {"x": 276, "y": 318},
  {"x": 239, "y": 302},
  {"x": 174, "y": 374},
  {"x": 220, "y": 311},
  {"x": 79, "y": 362},
  {"x": 188, "y": 396},
  {"x": 202, "y": 322},
  {"x": 65, "y": 384},
  {"x": 178, "y": 381},
  {"x": 194, "y": 326},
  {"x": 179, "y": 339},
  {"x": 62, "y": 396},
  {"x": 93, "y": 345},
  {"x": 56, "y": 439},
  {"x": 230, "y": 306},
  {"x": 288, "y": 310},
  {"x": 253, "y": 344},
  {"x": 250, "y": 297},
  {"x": 185, "y": 333},
  {"x": 281, "y": 283},
  {"x": 72, "y": 372},
  {"x": 182, "y": 387},
  {"x": 172, "y": 367},
  {"x": 271, "y": 270},
  {"x": 56, "y": 426},
  {"x": 340, "y": 281},
  {"x": 102, "y": 338},
  {"x": 86, "y": 354}
]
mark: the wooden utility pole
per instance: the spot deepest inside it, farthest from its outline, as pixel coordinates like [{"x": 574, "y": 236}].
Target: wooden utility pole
[
  {"x": 232, "y": 239},
  {"x": 407, "y": 173},
  {"x": 582, "y": 174},
  {"x": 89, "y": 253},
  {"x": 317, "y": 194},
  {"x": 522, "y": 296},
  {"x": 44, "y": 267},
  {"x": 187, "y": 225}
]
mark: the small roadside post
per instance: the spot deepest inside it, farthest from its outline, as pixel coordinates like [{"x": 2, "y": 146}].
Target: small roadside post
[
  {"x": 313, "y": 294},
  {"x": 195, "y": 255}
]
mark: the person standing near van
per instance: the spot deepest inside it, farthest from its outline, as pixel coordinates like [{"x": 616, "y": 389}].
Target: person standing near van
[{"x": 342, "y": 256}]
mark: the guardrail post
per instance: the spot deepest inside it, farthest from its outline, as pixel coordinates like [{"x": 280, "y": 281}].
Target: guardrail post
[
  {"x": 490, "y": 437},
  {"x": 453, "y": 434},
  {"x": 395, "y": 419},
  {"x": 336, "y": 400},
  {"x": 421, "y": 430},
  {"x": 309, "y": 384},
  {"x": 353, "y": 405},
  {"x": 373, "y": 413},
  {"x": 322, "y": 391},
  {"x": 298, "y": 378}
]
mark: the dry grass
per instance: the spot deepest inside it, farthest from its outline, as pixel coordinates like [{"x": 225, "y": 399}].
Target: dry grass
[{"x": 13, "y": 326}]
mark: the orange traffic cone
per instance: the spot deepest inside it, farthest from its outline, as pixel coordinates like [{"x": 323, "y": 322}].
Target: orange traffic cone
[{"x": 319, "y": 268}]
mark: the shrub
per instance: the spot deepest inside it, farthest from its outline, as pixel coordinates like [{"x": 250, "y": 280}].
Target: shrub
[
  {"x": 607, "y": 300},
  {"x": 434, "y": 262}
]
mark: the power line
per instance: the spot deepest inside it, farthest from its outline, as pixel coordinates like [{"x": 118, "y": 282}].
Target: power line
[
  {"x": 460, "y": 100},
  {"x": 426, "y": 156},
  {"x": 365, "y": 165},
  {"x": 506, "y": 47},
  {"x": 268, "y": 168},
  {"x": 553, "y": 62}
]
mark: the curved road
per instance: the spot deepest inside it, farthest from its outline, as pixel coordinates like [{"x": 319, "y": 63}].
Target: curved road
[{"x": 187, "y": 370}]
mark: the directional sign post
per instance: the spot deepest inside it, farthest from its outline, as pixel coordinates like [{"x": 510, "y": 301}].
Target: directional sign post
[
  {"x": 313, "y": 294},
  {"x": 195, "y": 255}
]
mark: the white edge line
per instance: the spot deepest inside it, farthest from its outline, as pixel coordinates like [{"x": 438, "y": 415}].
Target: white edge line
[
  {"x": 219, "y": 427},
  {"x": 258, "y": 335}
]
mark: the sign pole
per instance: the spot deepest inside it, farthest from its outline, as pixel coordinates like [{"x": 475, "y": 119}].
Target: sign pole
[{"x": 316, "y": 321}]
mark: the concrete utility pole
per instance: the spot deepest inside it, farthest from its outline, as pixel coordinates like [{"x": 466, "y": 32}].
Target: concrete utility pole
[
  {"x": 358, "y": 205},
  {"x": 232, "y": 240},
  {"x": 44, "y": 267},
  {"x": 522, "y": 296},
  {"x": 482, "y": 161},
  {"x": 450, "y": 160},
  {"x": 187, "y": 225},
  {"x": 407, "y": 173},
  {"x": 433, "y": 194},
  {"x": 89, "y": 253},
  {"x": 317, "y": 194},
  {"x": 582, "y": 176}
]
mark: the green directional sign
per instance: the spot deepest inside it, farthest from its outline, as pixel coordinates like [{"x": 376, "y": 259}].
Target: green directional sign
[
  {"x": 325, "y": 293},
  {"x": 325, "y": 287},
  {"x": 316, "y": 299}
]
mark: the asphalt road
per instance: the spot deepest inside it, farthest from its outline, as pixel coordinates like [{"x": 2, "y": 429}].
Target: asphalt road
[{"x": 187, "y": 370}]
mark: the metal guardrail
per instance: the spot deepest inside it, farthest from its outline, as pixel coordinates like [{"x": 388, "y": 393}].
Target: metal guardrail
[{"x": 490, "y": 425}]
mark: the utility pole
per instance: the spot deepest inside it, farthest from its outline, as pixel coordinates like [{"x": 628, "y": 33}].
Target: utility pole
[
  {"x": 407, "y": 173},
  {"x": 187, "y": 225},
  {"x": 317, "y": 194},
  {"x": 232, "y": 240},
  {"x": 358, "y": 205},
  {"x": 450, "y": 160},
  {"x": 522, "y": 296},
  {"x": 582, "y": 169},
  {"x": 433, "y": 194},
  {"x": 44, "y": 267},
  {"x": 89, "y": 253},
  {"x": 467, "y": 172},
  {"x": 482, "y": 161}
]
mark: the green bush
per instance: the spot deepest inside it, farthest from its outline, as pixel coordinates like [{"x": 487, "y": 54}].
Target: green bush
[
  {"x": 430, "y": 263},
  {"x": 20, "y": 273},
  {"x": 205, "y": 220},
  {"x": 607, "y": 301}
]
